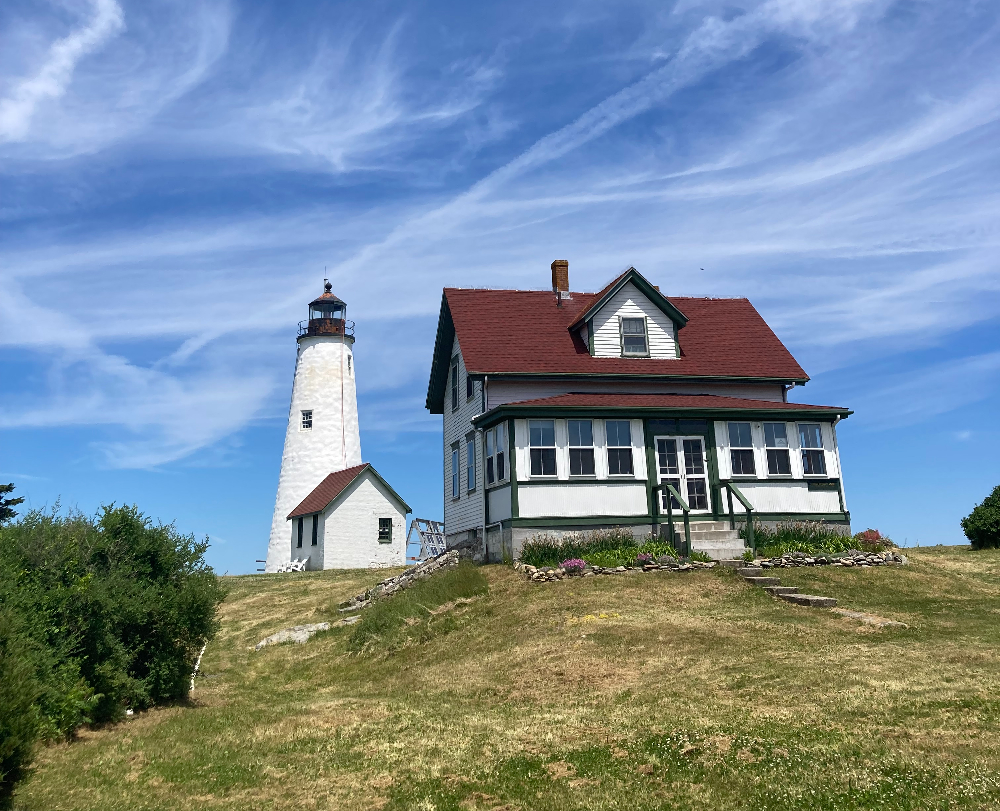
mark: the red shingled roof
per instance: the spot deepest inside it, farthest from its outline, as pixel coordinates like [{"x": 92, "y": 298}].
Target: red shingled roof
[
  {"x": 687, "y": 402},
  {"x": 327, "y": 490},
  {"x": 523, "y": 331}
]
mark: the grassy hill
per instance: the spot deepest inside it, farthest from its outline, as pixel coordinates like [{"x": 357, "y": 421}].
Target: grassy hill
[{"x": 634, "y": 692}]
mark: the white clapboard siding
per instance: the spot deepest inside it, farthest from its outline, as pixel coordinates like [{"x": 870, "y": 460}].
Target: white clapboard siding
[
  {"x": 630, "y": 303},
  {"x": 348, "y": 535},
  {"x": 500, "y": 392},
  {"x": 466, "y": 512},
  {"x": 582, "y": 500},
  {"x": 785, "y": 497},
  {"x": 499, "y": 504}
]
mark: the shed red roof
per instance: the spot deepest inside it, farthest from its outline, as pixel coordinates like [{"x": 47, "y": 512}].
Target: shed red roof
[
  {"x": 523, "y": 331},
  {"x": 327, "y": 490}
]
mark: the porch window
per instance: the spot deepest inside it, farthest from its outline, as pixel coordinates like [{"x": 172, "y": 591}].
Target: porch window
[
  {"x": 776, "y": 443},
  {"x": 619, "y": 434},
  {"x": 811, "y": 442},
  {"x": 542, "y": 437},
  {"x": 470, "y": 463},
  {"x": 634, "y": 337},
  {"x": 741, "y": 449},
  {"x": 581, "y": 448},
  {"x": 496, "y": 454},
  {"x": 454, "y": 470},
  {"x": 454, "y": 384}
]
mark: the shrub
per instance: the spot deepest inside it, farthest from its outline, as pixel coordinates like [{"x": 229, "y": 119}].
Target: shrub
[
  {"x": 390, "y": 621},
  {"x": 19, "y": 689},
  {"x": 811, "y": 537},
  {"x": 982, "y": 525},
  {"x": 573, "y": 565},
  {"x": 604, "y": 547},
  {"x": 871, "y": 540},
  {"x": 701, "y": 557}
]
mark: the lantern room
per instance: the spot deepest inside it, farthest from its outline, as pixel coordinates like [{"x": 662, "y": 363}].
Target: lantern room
[{"x": 327, "y": 316}]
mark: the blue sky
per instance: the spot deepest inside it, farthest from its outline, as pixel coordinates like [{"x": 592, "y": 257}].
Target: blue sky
[{"x": 177, "y": 178}]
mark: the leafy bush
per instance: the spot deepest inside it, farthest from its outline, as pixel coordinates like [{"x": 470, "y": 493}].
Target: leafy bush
[
  {"x": 811, "y": 537},
  {"x": 982, "y": 525},
  {"x": 390, "y": 621},
  {"x": 98, "y": 615},
  {"x": 702, "y": 557},
  {"x": 604, "y": 547},
  {"x": 871, "y": 540}
]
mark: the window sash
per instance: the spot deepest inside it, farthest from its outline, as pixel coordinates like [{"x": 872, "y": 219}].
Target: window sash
[
  {"x": 618, "y": 433},
  {"x": 454, "y": 472},
  {"x": 315, "y": 530},
  {"x": 743, "y": 462},
  {"x": 470, "y": 388},
  {"x": 307, "y": 420},
  {"x": 810, "y": 435},
  {"x": 740, "y": 435},
  {"x": 542, "y": 433},
  {"x": 385, "y": 530},
  {"x": 298, "y": 544},
  {"x": 543, "y": 461},
  {"x": 634, "y": 336},
  {"x": 454, "y": 385},
  {"x": 778, "y": 462},
  {"x": 581, "y": 462},
  {"x": 620, "y": 462},
  {"x": 813, "y": 462},
  {"x": 775, "y": 435},
  {"x": 470, "y": 462}
]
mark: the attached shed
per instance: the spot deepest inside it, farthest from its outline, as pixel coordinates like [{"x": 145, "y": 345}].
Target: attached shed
[{"x": 351, "y": 520}]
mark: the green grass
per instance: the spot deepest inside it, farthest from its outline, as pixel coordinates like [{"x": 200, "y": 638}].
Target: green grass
[{"x": 686, "y": 691}]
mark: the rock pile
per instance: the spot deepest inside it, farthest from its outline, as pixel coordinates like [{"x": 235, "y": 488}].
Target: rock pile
[
  {"x": 292, "y": 566},
  {"x": 393, "y": 584},
  {"x": 541, "y": 574},
  {"x": 850, "y": 558}
]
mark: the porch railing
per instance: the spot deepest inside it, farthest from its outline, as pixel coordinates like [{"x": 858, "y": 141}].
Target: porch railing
[
  {"x": 670, "y": 490},
  {"x": 733, "y": 490}
]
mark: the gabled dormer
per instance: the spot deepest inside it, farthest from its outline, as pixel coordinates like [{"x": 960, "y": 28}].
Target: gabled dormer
[{"x": 630, "y": 318}]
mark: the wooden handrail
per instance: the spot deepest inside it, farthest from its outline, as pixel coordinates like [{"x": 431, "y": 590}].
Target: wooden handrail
[
  {"x": 733, "y": 490},
  {"x": 686, "y": 552}
]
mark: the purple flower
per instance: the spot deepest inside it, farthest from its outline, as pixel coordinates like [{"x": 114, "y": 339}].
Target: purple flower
[
  {"x": 644, "y": 557},
  {"x": 573, "y": 566}
]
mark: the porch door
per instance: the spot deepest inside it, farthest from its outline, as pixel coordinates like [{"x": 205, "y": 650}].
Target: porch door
[{"x": 680, "y": 461}]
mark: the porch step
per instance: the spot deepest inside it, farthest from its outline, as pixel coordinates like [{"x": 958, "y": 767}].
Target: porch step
[
  {"x": 777, "y": 591},
  {"x": 750, "y": 571}
]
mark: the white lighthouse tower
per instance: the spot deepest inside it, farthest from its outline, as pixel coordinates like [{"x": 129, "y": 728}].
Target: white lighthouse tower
[{"x": 323, "y": 435}]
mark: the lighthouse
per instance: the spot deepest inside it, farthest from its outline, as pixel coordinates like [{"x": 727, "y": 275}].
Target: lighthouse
[{"x": 331, "y": 509}]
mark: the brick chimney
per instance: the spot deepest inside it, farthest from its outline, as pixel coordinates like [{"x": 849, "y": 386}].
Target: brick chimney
[{"x": 560, "y": 276}]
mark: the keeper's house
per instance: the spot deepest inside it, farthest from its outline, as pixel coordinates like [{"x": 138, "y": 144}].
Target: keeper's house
[{"x": 572, "y": 411}]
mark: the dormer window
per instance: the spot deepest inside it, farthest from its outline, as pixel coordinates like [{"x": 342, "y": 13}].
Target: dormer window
[{"x": 634, "y": 342}]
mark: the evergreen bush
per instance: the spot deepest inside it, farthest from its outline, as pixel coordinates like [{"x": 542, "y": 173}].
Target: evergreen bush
[
  {"x": 982, "y": 525},
  {"x": 19, "y": 688}
]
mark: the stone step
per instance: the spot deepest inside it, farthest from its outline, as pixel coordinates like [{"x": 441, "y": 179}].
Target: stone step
[
  {"x": 714, "y": 526},
  {"x": 735, "y": 563},
  {"x": 762, "y": 581},
  {"x": 811, "y": 600},
  {"x": 717, "y": 552},
  {"x": 750, "y": 571},
  {"x": 777, "y": 591}
]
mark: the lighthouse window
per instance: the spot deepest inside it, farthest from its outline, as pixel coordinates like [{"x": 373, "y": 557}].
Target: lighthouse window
[{"x": 307, "y": 420}]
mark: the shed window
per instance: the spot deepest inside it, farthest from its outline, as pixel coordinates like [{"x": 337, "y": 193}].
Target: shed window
[
  {"x": 542, "y": 436},
  {"x": 813, "y": 457},
  {"x": 634, "y": 337},
  {"x": 741, "y": 449},
  {"x": 385, "y": 530},
  {"x": 581, "y": 448},
  {"x": 307, "y": 420},
  {"x": 776, "y": 443},
  {"x": 619, "y": 433},
  {"x": 315, "y": 530},
  {"x": 298, "y": 533}
]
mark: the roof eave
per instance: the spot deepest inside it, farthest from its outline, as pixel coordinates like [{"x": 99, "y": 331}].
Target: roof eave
[
  {"x": 640, "y": 281},
  {"x": 444, "y": 340},
  {"x": 367, "y": 466}
]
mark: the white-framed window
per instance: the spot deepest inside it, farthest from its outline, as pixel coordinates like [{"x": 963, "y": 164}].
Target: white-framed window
[
  {"x": 470, "y": 388},
  {"x": 454, "y": 470},
  {"x": 741, "y": 449},
  {"x": 581, "y": 447},
  {"x": 470, "y": 462},
  {"x": 298, "y": 532},
  {"x": 542, "y": 441},
  {"x": 776, "y": 445},
  {"x": 454, "y": 383},
  {"x": 385, "y": 530},
  {"x": 619, "y": 437},
  {"x": 315, "y": 530},
  {"x": 811, "y": 443},
  {"x": 496, "y": 454},
  {"x": 306, "y": 422},
  {"x": 634, "y": 342}
]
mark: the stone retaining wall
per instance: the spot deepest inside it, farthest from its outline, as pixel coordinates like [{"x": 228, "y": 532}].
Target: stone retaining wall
[
  {"x": 541, "y": 574},
  {"x": 401, "y": 581},
  {"x": 850, "y": 558}
]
